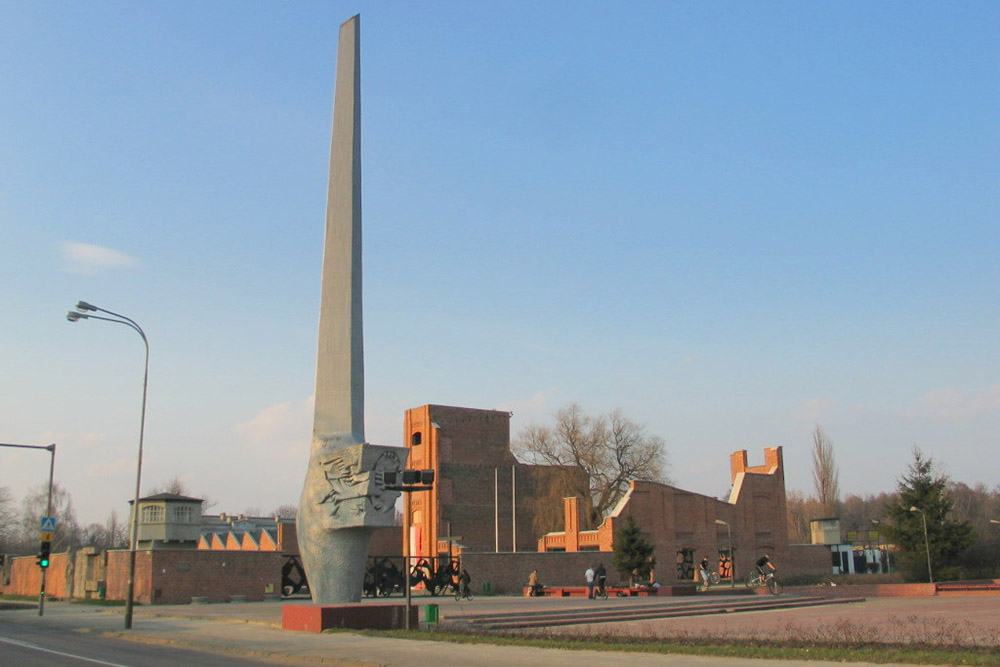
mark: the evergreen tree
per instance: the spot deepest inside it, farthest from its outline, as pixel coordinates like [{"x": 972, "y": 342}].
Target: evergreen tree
[
  {"x": 946, "y": 538},
  {"x": 633, "y": 551}
]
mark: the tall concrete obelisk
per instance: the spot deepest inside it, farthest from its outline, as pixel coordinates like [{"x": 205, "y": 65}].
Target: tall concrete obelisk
[{"x": 344, "y": 499}]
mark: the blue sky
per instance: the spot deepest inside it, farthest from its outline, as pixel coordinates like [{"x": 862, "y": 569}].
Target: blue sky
[{"x": 732, "y": 220}]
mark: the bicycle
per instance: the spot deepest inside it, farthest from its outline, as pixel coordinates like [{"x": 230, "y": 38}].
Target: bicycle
[
  {"x": 758, "y": 580},
  {"x": 463, "y": 591},
  {"x": 713, "y": 579}
]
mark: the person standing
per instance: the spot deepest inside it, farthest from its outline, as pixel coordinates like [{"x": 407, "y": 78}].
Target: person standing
[
  {"x": 703, "y": 572},
  {"x": 589, "y": 576},
  {"x": 464, "y": 580}
]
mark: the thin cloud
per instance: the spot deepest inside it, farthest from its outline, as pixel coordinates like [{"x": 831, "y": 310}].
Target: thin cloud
[
  {"x": 280, "y": 425},
  {"x": 951, "y": 403},
  {"x": 535, "y": 408},
  {"x": 812, "y": 411},
  {"x": 89, "y": 260}
]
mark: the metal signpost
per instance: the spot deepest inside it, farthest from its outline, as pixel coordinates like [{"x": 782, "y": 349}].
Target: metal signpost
[
  {"x": 48, "y": 527},
  {"x": 408, "y": 481}
]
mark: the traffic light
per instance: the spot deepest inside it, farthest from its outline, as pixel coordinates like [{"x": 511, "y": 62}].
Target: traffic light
[
  {"x": 409, "y": 480},
  {"x": 43, "y": 555},
  {"x": 418, "y": 477}
]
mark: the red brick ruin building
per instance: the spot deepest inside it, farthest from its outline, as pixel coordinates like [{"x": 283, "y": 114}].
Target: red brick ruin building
[
  {"x": 485, "y": 508},
  {"x": 485, "y": 503}
]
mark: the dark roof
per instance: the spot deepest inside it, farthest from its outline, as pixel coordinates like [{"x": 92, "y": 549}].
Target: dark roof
[{"x": 170, "y": 496}]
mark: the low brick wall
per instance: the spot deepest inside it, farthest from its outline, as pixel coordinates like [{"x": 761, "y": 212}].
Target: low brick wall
[
  {"x": 866, "y": 590},
  {"x": 507, "y": 573},
  {"x": 26, "y": 577},
  {"x": 215, "y": 575}
]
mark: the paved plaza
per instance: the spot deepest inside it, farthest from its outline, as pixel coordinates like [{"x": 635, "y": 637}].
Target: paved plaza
[{"x": 253, "y": 629}]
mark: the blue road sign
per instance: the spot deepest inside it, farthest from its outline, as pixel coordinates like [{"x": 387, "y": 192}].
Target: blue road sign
[{"x": 48, "y": 524}]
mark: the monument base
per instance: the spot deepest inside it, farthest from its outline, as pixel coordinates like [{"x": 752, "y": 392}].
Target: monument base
[{"x": 319, "y": 617}]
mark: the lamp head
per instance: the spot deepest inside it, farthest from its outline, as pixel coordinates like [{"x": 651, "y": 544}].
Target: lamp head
[
  {"x": 73, "y": 316},
  {"x": 84, "y": 306},
  {"x": 916, "y": 509}
]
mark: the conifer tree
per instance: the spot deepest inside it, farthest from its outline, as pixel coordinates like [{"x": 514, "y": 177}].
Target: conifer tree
[
  {"x": 947, "y": 538},
  {"x": 633, "y": 551}
]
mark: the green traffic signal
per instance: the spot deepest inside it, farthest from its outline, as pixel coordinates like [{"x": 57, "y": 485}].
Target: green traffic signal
[{"x": 43, "y": 555}]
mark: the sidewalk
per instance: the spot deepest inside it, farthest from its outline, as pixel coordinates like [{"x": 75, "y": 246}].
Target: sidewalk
[{"x": 253, "y": 629}]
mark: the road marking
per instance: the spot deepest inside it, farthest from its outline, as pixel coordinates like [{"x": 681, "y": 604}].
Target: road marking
[{"x": 65, "y": 655}]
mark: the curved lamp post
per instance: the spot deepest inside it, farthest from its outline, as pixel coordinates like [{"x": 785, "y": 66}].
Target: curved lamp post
[
  {"x": 927, "y": 544},
  {"x": 732, "y": 558},
  {"x": 83, "y": 312}
]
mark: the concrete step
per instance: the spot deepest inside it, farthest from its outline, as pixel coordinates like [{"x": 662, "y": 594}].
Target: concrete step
[
  {"x": 609, "y": 614},
  {"x": 968, "y": 589}
]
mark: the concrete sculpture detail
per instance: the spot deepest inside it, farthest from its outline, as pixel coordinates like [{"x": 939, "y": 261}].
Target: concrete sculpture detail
[{"x": 344, "y": 499}]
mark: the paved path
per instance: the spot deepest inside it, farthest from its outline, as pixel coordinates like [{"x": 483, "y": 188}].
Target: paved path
[{"x": 253, "y": 629}]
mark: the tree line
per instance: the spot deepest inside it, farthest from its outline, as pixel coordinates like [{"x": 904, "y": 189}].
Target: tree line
[{"x": 962, "y": 541}]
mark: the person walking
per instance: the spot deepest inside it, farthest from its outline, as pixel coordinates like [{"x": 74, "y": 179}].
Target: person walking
[
  {"x": 601, "y": 577},
  {"x": 464, "y": 582},
  {"x": 534, "y": 589},
  {"x": 589, "y": 576}
]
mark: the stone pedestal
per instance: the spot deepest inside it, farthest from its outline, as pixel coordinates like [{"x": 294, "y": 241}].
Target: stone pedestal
[{"x": 319, "y": 617}]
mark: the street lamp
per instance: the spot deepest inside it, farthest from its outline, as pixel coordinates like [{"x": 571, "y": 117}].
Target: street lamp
[
  {"x": 83, "y": 312},
  {"x": 927, "y": 544},
  {"x": 732, "y": 556}
]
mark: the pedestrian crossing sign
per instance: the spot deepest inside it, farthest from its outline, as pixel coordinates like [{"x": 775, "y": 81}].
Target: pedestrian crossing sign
[{"x": 48, "y": 524}]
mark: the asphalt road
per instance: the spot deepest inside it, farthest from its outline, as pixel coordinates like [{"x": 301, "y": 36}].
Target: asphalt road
[{"x": 27, "y": 646}]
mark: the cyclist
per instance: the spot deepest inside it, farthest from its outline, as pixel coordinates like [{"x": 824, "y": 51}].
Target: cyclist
[{"x": 765, "y": 566}]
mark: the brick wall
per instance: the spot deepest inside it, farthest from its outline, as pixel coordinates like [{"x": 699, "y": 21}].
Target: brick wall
[
  {"x": 26, "y": 577},
  {"x": 804, "y": 559},
  {"x": 174, "y": 577},
  {"x": 507, "y": 573}
]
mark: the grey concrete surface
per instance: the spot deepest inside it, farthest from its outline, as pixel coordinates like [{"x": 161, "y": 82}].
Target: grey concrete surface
[{"x": 253, "y": 629}]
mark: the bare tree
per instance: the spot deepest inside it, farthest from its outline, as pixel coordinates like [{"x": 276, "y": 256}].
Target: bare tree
[
  {"x": 112, "y": 534},
  {"x": 117, "y": 531},
  {"x": 177, "y": 486},
  {"x": 611, "y": 449},
  {"x": 35, "y": 505},
  {"x": 825, "y": 471},
  {"x": 285, "y": 511},
  {"x": 8, "y": 521}
]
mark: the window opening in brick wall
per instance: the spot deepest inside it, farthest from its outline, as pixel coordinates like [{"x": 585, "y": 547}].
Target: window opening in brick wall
[
  {"x": 685, "y": 564},
  {"x": 725, "y": 564}
]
